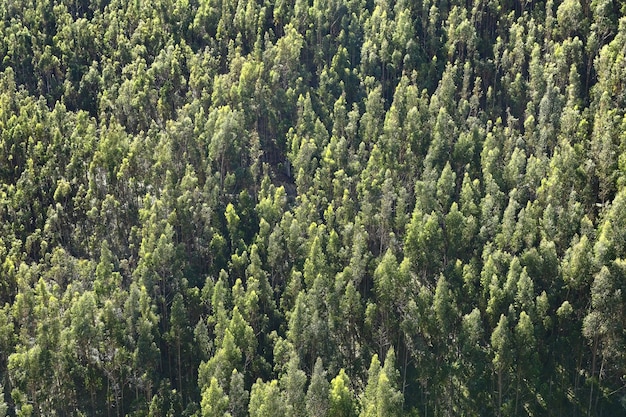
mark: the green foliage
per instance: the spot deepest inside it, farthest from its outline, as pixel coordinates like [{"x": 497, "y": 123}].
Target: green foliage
[
  {"x": 341, "y": 400},
  {"x": 214, "y": 402},
  {"x": 265, "y": 400},
  {"x": 381, "y": 396},
  {"x": 317, "y": 396},
  {"x": 210, "y": 207}
]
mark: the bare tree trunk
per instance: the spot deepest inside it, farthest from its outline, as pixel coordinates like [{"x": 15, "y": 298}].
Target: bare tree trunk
[
  {"x": 593, "y": 372},
  {"x": 517, "y": 388},
  {"x": 180, "y": 377},
  {"x": 108, "y": 397},
  {"x": 406, "y": 358},
  {"x": 500, "y": 393}
]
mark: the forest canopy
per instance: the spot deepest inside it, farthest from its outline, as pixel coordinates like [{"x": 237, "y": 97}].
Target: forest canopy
[{"x": 312, "y": 208}]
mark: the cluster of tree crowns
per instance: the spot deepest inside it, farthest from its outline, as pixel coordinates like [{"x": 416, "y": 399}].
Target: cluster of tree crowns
[{"x": 312, "y": 208}]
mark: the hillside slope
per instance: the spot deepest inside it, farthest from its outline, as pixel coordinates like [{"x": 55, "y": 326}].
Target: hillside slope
[{"x": 312, "y": 208}]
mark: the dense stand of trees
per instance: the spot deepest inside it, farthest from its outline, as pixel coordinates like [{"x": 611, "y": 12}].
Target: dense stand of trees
[{"x": 312, "y": 208}]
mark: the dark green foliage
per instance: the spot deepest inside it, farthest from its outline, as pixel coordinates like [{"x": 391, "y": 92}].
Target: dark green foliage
[{"x": 312, "y": 208}]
